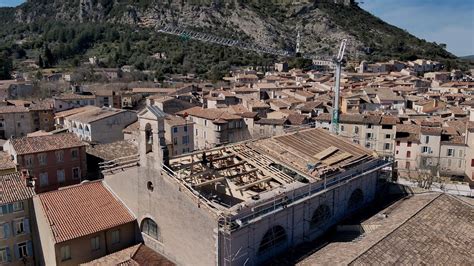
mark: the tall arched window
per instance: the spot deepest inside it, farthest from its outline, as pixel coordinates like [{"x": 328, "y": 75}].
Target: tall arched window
[
  {"x": 320, "y": 216},
  {"x": 148, "y": 138},
  {"x": 274, "y": 237},
  {"x": 356, "y": 199},
  {"x": 150, "y": 228}
]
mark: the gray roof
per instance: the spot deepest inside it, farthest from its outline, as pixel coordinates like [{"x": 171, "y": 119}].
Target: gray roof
[{"x": 156, "y": 111}]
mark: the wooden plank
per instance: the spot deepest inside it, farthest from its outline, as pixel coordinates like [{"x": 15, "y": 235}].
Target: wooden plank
[
  {"x": 338, "y": 158},
  {"x": 249, "y": 185},
  {"x": 209, "y": 182},
  {"x": 325, "y": 153}
]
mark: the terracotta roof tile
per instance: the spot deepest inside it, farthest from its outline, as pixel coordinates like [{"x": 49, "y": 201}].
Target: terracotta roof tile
[
  {"x": 13, "y": 188},
  {"x": 27, "y": 145},
  {"x": 82, "y": 210},
  {"x": 134, "y": 255}
]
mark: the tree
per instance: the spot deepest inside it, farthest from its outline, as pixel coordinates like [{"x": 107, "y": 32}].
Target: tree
[
  {"x": 48, "y": 57},
  {"x": 6, "y": 67},
  {"x": 40, "y": 62}
]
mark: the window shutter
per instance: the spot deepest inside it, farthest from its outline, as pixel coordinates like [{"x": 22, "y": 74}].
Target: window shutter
[
  {"x": 17, "y": 254},
  {"x": 29, "y": 248},
  {"x": 10, "y": 208},
  {"x": 6, "y": 230},
  {"x": 26, "y": 224},
  {"x": 9, "y": 256},
  {"x": 4, "y": 209}
]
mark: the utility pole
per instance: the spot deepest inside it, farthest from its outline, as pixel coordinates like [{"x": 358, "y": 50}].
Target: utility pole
[{"x": 337, "y": 86}]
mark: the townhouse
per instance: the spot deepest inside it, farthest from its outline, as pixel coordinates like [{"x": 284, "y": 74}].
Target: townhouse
[
  {"x": 81, "y": 223},
  {"x": 100, "y": 125},
  {"x": 179, "y": 135},
  {"x": 54, "y": 160},
  {"x": 215, "y": 127},
  {"x": 16, "y": 212}
]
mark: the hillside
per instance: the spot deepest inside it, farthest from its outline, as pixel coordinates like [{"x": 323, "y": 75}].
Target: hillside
[{"x": 123, "y": 32}]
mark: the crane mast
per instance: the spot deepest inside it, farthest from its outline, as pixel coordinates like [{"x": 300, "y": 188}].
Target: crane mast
[{"x": 337, "y": 86}]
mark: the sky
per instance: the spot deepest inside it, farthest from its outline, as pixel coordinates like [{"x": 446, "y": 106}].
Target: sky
[{"x": 450, "y": 22}]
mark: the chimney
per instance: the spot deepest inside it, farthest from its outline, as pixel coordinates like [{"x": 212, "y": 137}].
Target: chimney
[{"x": 30, "y": 181}]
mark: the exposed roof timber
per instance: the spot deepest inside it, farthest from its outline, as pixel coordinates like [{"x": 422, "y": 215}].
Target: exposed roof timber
[
  {"x": 249, "y": 185},
  {"x": 209, "y": 182}
]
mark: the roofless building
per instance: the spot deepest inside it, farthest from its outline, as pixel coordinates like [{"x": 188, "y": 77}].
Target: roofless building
[{"x": 244, "y": 203}]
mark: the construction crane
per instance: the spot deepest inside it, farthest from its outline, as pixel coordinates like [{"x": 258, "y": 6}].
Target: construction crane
[
  {"x": 209, "y": 38},
  {"x": 338, "y": 61}
]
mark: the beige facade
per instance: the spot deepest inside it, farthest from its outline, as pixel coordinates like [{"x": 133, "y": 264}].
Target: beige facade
[
  {"x": 16, "y": 246},
  {"x": 82, "y": 249},
  {"x": 208, "y": 133},
  {"x": 470, "y": 147},
  {"x": 179, "y": 135}
]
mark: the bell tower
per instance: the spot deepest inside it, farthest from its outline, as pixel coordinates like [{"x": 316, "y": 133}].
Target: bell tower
[{"x": 151, "y": 142}]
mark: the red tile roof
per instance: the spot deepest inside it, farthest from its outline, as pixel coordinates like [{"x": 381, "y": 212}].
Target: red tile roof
[
  {"x": 82, "y": 210},
  {"x": 28, "y": 145},
  {"x": 134, "y": 255},
  {"x": 13, "y": 188}
]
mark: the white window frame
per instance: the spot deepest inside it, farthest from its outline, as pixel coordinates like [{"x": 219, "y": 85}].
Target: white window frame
[
  {"x": 23, "y": 249},
  {"x": 19, "y": 224},
  {"x": 59, "y": 156},
  {"x": 42, "y": 159},
  {"x": 29, "y": 160},
  {"x": 3, "y": 255},
  {"x": 18, "y": 206}
]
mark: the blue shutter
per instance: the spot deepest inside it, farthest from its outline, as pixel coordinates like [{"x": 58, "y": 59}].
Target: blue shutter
[
  {"x": 26, "y": 225},
  {"x": 17, "y": 254},
  {"x": 10, "y": 208},
  {"x": 29, "y": 248},
  {"x": 4, "y": 209},
  {"x": 6, "y": 230},
  {"x": 9, "y": 256}
]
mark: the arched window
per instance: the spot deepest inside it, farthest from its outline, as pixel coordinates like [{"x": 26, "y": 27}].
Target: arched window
[
  {"x": 356, "y": 199},
  {"x": 80, "y": 127},
  {"x": 320, "y": 216},
  {"x": 150, "y": 228},
  {"x": 274, "y": 237},
  {"x": 148, "y": 138}
]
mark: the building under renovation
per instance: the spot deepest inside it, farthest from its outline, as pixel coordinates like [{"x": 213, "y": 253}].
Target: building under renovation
[{"x": 242, "y": 204}]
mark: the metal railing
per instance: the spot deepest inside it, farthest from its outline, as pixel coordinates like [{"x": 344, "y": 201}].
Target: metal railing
[{"x": 118, "y": 163}]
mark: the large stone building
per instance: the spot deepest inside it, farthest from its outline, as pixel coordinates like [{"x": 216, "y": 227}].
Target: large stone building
[{"x": 243, "y": 203}]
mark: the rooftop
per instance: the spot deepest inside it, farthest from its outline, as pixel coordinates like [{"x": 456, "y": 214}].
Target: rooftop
[
  {"x": 255, "y": 168},
  {"x": 423, "y": 229},
  {"x": 81, "y": 210},
  {"x": 95, "y": 114},
  {"x": 210, "y": 113},
  {"x": 28, "y": 145},
  {"x": 13, "y": 188},
  {"x": 112, "y": 151},
  {"x": 134, "y": 255}
]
